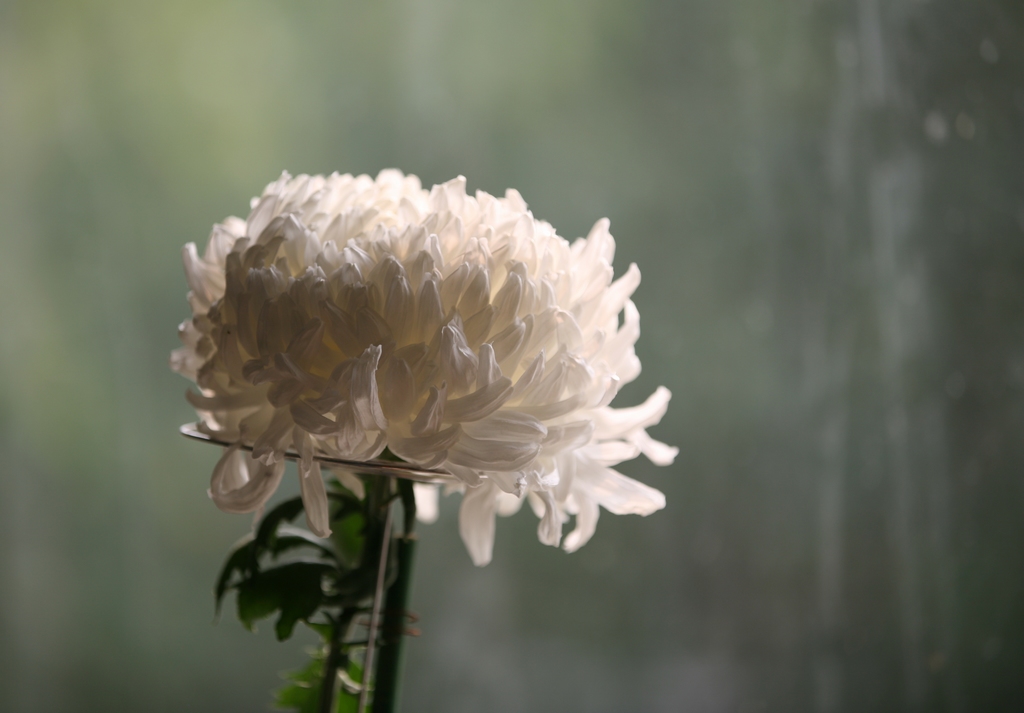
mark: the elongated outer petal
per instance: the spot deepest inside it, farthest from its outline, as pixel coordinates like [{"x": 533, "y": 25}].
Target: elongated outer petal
[
  {"x": 200, "y": 276},
  {"x": 350, "y": 480},
  {"x": 614, "y": 423},
  {"x": 476, "y": 522},
  {"x": 614, "y": 298},
  {"x": 586, "y": 525},
  {"x": 612, "y": 452},
  {"x": 231, "y": 472},
  {"x": 549, "y": 531},
  {"x": 314, "y": 500},
  {"x": 241, "y": 484},
  {"x": 509, "y": 504},
  {"x": 426, "y": 502},
  {"x": 657, "y": 452},
  {"x": 621, "y": 495}
]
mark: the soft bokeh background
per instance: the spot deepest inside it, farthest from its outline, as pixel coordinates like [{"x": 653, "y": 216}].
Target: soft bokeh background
[{"x": 826, "y": 200}]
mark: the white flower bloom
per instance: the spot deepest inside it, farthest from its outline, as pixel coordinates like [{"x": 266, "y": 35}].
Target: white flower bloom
[{"x": 346, "y": 315}]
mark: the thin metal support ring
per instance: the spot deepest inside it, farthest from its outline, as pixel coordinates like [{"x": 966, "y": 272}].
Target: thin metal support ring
[{"x": 387, "y": 468}]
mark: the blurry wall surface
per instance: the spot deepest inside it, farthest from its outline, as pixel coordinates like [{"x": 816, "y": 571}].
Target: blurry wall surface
[{"x": 826, "y": 201}]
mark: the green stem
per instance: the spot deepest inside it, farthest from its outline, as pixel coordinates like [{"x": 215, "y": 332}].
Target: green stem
[
  {"x": 389, "y": 668},
  {"x": 329, "y": 681}
]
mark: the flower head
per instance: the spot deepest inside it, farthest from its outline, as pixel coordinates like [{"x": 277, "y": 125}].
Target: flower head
[{"x": 348, "y": 314}]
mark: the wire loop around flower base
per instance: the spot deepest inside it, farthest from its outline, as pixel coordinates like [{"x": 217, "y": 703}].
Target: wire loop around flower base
[{"x": 386, "y": 468}]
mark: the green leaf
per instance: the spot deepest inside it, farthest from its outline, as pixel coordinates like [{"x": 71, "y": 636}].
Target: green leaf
[
  {"x": 256, "y": 600},
  {"x": 336, "y": 489},
  {"x": 285, "y": 512},
  {"x": 291, "y": 509},
  {"x": 242, "y": 559},
  {"x": 294, "y": 589},
  {"x": 302, "y": 692},
  {"x": 349, "y": 536},
  {"x": 297, "y": 697},
  {"x": 290, "y": 538},
  {"x": 354, "y": 671},
  {"x": 346, "y": 702},
  {"x": 343, "y": 504},
  {"x": 325, "y": 630},
  {"x": 354, "y": 588}
]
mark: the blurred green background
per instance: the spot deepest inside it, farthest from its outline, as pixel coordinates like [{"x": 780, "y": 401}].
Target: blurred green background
[{"x": 826, "y": 200}]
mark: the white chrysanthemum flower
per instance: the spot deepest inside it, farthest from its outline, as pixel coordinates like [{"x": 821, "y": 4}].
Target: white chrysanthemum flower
[{"x": 346, "y": 315}]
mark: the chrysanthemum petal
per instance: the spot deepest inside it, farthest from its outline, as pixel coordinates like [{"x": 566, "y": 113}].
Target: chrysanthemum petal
[
  {"x": 657, "y": 452},
  {"x": 501, "y": 456},
  {"x": 350, "y": 480},
  {"x": 509, "y": 504},
  {"x": 481, "y": 403},
  {"x": 620, "y": 495},
  {"x": 426, "y": 502},
  {"x": 508, "y": 424},
  {"x": 365, "y": 403},
  {"x": 476, "y": 522},
  {"x": 458, "y": 362},
  {"x": 420, "y": 449},
  {"x": 241, "y": 484},
  {"x": 549, "y": 530},
  {"x": 428, "y": 420},
  {"x": 612, "y": 452},
  {"x": 586, "y": 525},
  {"x": 314, "y": 500},
  {"x": 614, "y": 423}
]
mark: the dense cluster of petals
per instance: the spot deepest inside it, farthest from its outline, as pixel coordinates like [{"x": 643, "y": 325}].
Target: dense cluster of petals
[{"x": 347, "y": 315}]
